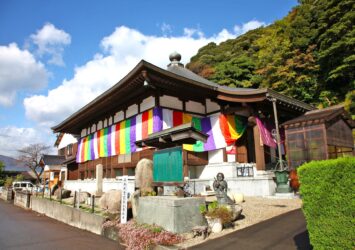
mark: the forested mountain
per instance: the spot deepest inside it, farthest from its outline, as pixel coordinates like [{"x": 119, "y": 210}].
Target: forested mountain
[{"x": 308, "y": 55}]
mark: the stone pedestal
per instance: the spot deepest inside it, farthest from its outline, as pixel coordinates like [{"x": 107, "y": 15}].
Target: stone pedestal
[
  {"x": 177, "y": 215},
  {"x": 99, "y": 179}
]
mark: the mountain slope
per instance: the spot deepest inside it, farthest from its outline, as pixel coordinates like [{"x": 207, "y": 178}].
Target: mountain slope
[
  {"x": 308, "y": 55},
  {"x": 12, "y": 164}
]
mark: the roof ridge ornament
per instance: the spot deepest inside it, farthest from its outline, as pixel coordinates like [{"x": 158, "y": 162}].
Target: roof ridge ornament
[{"x": 175, "y": 58}]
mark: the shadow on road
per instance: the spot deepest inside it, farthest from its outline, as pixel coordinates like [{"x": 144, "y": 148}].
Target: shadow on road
[{"x": 302, "y": 241}]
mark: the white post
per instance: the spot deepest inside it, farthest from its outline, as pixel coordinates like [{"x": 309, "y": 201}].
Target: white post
[
  {"x": 124, "y": 199},
  {"x": 99, "y": 179}
]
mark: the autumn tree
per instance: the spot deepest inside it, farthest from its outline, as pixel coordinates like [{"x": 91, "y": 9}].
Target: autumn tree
[
  {"x": 31, "y": 156},
  {"x": 307, "y": 55}
]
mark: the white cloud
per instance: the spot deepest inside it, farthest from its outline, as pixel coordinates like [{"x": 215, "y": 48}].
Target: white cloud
[
  {"x": 14, "y": 138},
  {"x": 251, "y": 25},
  {"x": 50, "y": 42},
  {"x": 166, "y": 29},
  {"x": 19, "y": 71},
  {"x": 190, "y": 32},
  {"x": 121, "y": 51}
]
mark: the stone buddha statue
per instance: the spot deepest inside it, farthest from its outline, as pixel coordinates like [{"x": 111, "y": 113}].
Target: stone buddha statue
[{"x": 220, "y": 186}]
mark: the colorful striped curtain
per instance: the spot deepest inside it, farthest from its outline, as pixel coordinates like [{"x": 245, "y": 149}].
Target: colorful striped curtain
[{"x": 120, "y": 138}]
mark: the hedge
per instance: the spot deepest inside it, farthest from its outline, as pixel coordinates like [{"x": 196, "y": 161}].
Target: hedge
[{"x": 327, "y": 190}]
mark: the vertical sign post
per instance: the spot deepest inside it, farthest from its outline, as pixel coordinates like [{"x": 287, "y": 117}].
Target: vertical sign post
[{"x": 124, "y": 200}]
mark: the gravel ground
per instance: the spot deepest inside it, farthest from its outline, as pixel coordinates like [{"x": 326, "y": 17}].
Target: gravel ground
[{"x": 255, "y": 210}]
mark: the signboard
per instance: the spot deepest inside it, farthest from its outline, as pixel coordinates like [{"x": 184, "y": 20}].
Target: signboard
[
  {"x": 124, "y": 199},
  {"x": 168, "y": 165}
]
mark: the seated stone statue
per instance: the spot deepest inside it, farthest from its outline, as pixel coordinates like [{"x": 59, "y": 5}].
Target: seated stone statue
[{"x": 220, "y": 186}]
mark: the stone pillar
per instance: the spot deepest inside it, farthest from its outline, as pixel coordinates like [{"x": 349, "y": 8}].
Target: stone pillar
[{"x": 99, "y": 171}]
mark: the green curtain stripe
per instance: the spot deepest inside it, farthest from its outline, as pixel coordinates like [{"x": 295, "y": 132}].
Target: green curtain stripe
[
  {"x": 198, "y": 146},
  {"x": 128, "y": 136},
  {"x": 88, "y": 148},
  {"x": 240, "y": 124},
  {"x": 105, "y": 142}
]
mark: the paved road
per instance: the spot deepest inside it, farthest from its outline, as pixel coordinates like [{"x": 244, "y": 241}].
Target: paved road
[
  {"x": 283, "y": 232},
  {"x": 21, "y": 229}
]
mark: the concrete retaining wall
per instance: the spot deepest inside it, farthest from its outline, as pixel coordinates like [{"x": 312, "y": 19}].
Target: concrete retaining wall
[
  {"x": 68, "y": 215},
  {"x": 22, "y": 199},
  {"x": 7, "y": 194},
  {"x": 177, "y": 215}
]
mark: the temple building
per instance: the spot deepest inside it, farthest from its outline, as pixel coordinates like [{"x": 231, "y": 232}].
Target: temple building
[{"x": 239, "y": 123}]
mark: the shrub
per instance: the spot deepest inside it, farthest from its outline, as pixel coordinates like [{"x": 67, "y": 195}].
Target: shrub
[
  {"x": 327, "y": 189},
  {"x": 8, "y": 182},
  {"x": 217, "y": 211},
  {"x": 145, "y": 236}
]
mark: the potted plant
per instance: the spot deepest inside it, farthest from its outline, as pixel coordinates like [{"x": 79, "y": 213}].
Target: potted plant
[{"x": 216, "y": 216}]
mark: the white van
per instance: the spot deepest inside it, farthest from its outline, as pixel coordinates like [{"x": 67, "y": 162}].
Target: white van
[{"x": 22, "y": 185}]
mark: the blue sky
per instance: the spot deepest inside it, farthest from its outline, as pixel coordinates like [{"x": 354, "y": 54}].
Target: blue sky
[{"x": 56, "y": 56}]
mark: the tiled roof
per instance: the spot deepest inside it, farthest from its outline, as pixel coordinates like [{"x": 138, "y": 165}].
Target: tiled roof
[{"x": 53, "y": 159}]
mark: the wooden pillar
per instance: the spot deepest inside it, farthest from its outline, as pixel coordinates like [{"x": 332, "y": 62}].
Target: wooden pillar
[
  {"x": 259, "y": 150},
  {"x": 242, "y": 149},
  {"x": 185, "y": 166}
]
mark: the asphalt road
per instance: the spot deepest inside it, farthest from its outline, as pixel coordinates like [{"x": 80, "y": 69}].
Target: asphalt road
[
  {"x": 287, "y": 231},
  {"x": 21, "y": 229}
]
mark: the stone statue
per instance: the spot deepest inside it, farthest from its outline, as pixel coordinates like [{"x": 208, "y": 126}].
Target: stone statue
[{"x": 220, "y": 186}]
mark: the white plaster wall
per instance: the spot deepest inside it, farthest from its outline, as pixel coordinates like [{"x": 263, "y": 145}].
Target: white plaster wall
[
  {"x": 195, "y": 107},
  {"x": 215, "y": 156},
  {"x": 119, "y": 116},
  {"x": 83, "y": 132},
  {"x": 212, "y": 106},
  {"x": 100, "y": 125},
  {"x": 249, "y": 186},
  {"x": 105, "y": 123},
  {"x": 110, "y": 121},
  {"x": 147, "y": 103},
  {"x": 170, "y": 102},
  {"x": 132, "y": 110},
  {"x": 89, "y": 185},
  {"x": 210, "y": 171},
  {"x": 93, "y": 128},
  {"x": 66, "y": 140}
]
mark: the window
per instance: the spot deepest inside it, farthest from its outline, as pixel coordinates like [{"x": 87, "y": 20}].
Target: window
[
  {"x": 131, "y": 171},
  {"x": 61, "y": 152},
  {"x": 70, "y": 149},
  {"x": 118, "y": 172}
]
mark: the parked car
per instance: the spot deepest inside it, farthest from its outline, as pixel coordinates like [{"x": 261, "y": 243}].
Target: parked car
[{"x": 22, "y": 185}]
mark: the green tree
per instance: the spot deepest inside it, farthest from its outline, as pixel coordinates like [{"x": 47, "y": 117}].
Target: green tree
[
  {"x": 2, "y": 178},
  {"x": 308, "y": 54},
  {"x": 237, "y": 72}
]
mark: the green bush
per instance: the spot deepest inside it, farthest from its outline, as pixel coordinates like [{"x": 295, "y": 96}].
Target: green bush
[
  {"x": 327, "y": 189},
  {"x": 8, "y": 182}
]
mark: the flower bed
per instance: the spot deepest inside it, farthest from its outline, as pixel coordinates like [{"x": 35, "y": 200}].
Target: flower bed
[{"x": 138, "y": 237}]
